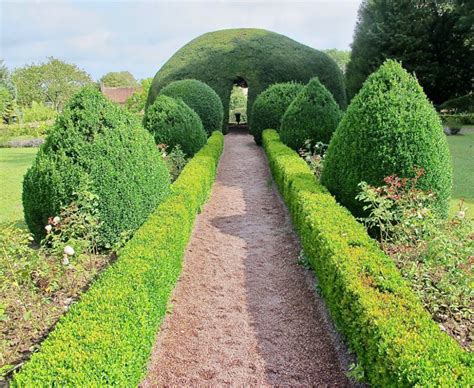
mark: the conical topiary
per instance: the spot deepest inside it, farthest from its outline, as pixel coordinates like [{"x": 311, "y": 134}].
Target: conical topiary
[
  {"x": 390, "y": 128},
  {"x": 313, "y": 115},
  {"x": 270, "y": 106},
  {"x": 174, "y": 123}
]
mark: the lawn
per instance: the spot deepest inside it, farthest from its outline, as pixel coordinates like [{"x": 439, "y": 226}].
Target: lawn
[
  {"x": 462, "y": 150},
  {"x": 13, "y": 165}
]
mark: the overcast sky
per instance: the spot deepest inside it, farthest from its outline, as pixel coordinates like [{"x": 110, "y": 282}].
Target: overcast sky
[{"x": 139, "y": 36}]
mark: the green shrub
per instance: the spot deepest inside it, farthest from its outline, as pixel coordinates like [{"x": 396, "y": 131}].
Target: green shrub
[
  {"x": 96, "y": 146},
  {"x": 261, "y": 58},
  {"x": 38, "y": 112},
  {"x": 313, "y": 115},
  {"x": 396, "y": 341},
  {"x": 390, "y": 128},
  {"x": 200, "y": 98},
  {"x": 173, "y": 123},
  {"x": 463, "y": 104},
  {"x": 106, "y": 338},
  {"x": 270, "y": 106}
]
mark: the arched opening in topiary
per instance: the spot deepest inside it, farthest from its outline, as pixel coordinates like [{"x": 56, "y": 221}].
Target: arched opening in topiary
[{"x": 238, "y": 103}]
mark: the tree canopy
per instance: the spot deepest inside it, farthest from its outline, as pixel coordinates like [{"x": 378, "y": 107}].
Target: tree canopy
[
  {"x": 52, "y": 82},
  {"x": 119, "y": 79},
  {"x": 432, "y": 38},
  {"x": 341, "y": 57}
]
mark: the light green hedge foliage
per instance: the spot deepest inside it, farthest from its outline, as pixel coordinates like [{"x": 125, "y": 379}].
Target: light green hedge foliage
[
  {"x": 396, "y": 341},
  {"x": 106, "y": 338}
]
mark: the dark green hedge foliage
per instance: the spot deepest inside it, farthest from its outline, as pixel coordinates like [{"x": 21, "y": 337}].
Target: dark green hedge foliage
[
  {"x": 172, "y": 122},
  {"x": 96, "y": 146},
  {"x": 463, "y": 104},
  {"x": 270, "y": 106},
  {"x": 389, "y": 128},
  {"x": 106, "y": 338},
  {"x": 200, "y": 98},
  {"x": 259, "y": 57},
  {"x": 313, "y": 115},
  {"x": 396, "y": 341}
]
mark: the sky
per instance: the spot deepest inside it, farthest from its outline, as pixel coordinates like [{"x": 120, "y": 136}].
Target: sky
[{"x": 140, "y": 36}]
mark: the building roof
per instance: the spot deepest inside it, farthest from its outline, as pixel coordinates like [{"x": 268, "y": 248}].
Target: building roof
[{"x": 119, "y": 94}]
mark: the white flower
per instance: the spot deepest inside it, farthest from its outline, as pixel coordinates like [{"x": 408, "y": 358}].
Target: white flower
[
  {"x": 48, "y": 228},
  {"x": 56, "y": 220},
  {"x": 461, "y": 214},
  {"x": 68, "y": 250}
]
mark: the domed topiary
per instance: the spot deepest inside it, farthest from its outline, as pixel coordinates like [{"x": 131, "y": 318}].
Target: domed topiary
[
  {"x": 172, "y": 122},
  {"x": 270, "y": 106},
  {"x": 389, "y": 128},
  {"x": 96, "y": 146},
  {"x": 313, "y": 115},
  {"x": 200, "y": 98}
]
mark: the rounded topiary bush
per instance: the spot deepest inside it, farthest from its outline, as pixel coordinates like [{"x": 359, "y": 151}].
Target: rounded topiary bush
[
  {"x": 389, "y": 128},
  {"x": 172, "y": 122},
  {"x": 201, "y": 98},
  {"x": 270, "y": 106},
  {"x": 96, "y": 146},
  {"x": 313, "y": 115}
]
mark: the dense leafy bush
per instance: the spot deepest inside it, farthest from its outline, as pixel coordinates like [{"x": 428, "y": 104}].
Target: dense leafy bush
[
  {"x": 258, "y": 57},
  {"x": 270, "y": 106},
  {"x": 200, "y": 98},
  {"x": 96, "y": 146},
  {"x": 396, "y": 341},
  {"x": 173, "y": 123},
  {"x": 106, "y": 338},
  {"x": 390, "y": 128},
  {"x": 313, "y": 115},
  {"x": 37, "y": 112},
  {"x": 463, "y": 104}
]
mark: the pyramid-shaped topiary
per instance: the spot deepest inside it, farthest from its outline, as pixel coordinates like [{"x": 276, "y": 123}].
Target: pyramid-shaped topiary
[
  {"x": 313, "y": 115},
  {"x": 174, "y": 123},
  {"x": 96, "y": 146},
  {"x": 389, "y": 128},
  {"x": 200, "y": 98},
  {"x": 270, "y": 106}
]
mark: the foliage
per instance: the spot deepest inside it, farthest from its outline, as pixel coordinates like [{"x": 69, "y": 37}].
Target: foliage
[
  {"x": 6, "y": 80},
  {"x": 175, "y": 160},
  {"x": 390, "y": 128},
  {"x": 238, "y": 99},
  {"x": 463, "y": 104},
  {"x": 136, "y": 102},
  {"x": 313, "y": 115},
  {"x": 258, "y": 57},
  {"x": 433, "y": 39},
  {"x": 313, "y": 155},
  {"x": 116, "y": 79},
  {"x": 341, "y": 57},
  {"x": 173, "y": 123},
  {"x": 107, "y": 337},
  {"x": 10, "y": 112},
  {"x": 37, "y": 112},
  {"x": 434, "y": 256},
  {"x": 98, "y": 147},
  {"x": 200, "y": 98},
  {"x": 52, "y": 83},
  {"x": 5, "y": 99},
  {"x": 396, "y": 341},
  {"x": 270, "y": 106}
]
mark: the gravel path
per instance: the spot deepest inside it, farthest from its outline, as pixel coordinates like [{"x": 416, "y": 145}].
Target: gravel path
[{"x": 244, "y": 312}]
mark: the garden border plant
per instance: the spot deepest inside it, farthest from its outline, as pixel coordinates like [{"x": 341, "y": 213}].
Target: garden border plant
[
  {"x": 396, "y": 341},
  {"x": 107, "y": 337}
]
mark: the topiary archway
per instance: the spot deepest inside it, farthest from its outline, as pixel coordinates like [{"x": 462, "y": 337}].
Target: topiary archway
[{"x": 259, "y": 57}]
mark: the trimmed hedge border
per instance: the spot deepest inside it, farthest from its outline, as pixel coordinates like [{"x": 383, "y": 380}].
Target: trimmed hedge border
[
  {"x": 106, "y": 338},
  {"x": 396, "y": 341}
]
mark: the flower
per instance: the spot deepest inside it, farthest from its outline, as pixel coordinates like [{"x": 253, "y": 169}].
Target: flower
[
  {"x": 68, "y": 250},
  {"x": 48, "y": 228},
  {"x": 461, "y": 214},
  {"x": 56, "y": 220}
]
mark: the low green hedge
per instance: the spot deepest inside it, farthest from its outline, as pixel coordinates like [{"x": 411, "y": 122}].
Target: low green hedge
[
  {"x": 396, "y": 341},
  {"x": 106, "y": 338}
]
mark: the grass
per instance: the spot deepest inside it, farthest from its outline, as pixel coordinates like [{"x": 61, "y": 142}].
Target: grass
[
  {"x": 462, "y": 151},
  {"x": 13, "y": 165}
]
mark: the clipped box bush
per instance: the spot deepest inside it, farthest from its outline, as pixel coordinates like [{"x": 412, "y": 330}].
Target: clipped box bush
[
  {"x": 396, "y": 341},
  {"x": 270, "y": 106},
  {"x": 390, "y": 128},
  {"x": 313, "y": 115},
  {"x": 201, "y": 98},
  {"x": 96, "y": 146},
  {"x": 106, "y": 338},
  {"x": 173, "y": 123}
]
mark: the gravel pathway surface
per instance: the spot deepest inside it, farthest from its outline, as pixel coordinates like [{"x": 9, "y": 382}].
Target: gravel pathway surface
[{"x": 244, "y": 312}]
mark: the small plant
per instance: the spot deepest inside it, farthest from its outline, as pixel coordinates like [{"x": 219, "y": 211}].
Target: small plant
[
  {"x": 314, "y": 156},
  {"x": 175, "y": 160}
]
